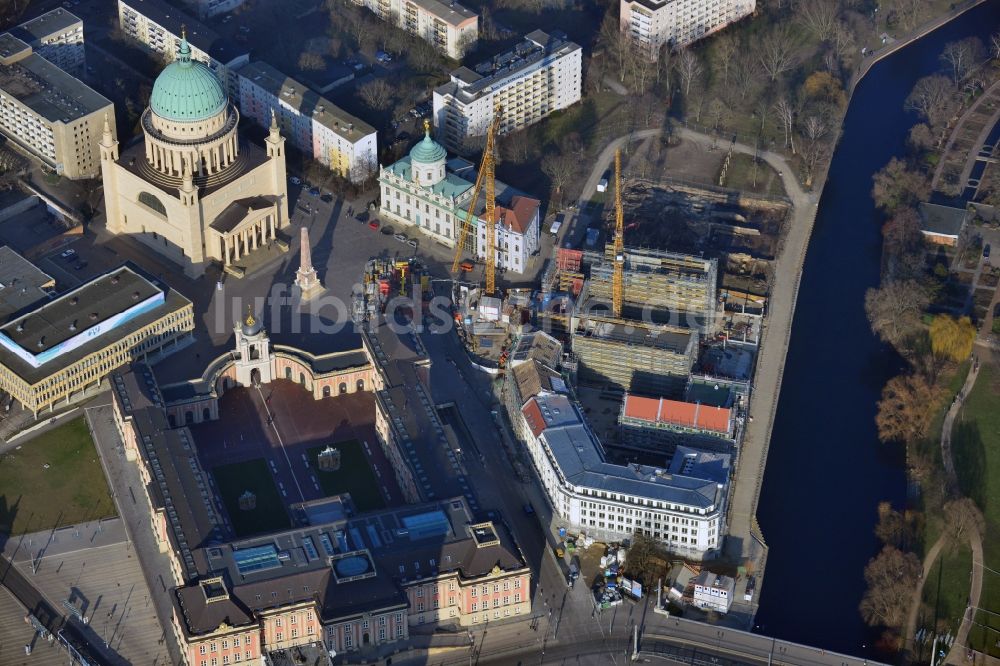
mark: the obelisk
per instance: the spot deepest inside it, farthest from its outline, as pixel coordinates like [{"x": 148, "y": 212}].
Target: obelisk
[{"x": 305, "y": 278}]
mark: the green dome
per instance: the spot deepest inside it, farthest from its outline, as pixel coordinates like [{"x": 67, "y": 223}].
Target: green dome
[
  {"x": 428, "y": 151},
  {"x": 187, "y": 90}
]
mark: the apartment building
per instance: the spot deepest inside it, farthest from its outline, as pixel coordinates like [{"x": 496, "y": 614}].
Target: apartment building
[
  {"x": 432, "y": 194},
  {"x": 350, "y": 584},
  {"x": 158, "y": 25},
  {"x": 653, "y": 24},
  {"x": 209, "y": 8},
  {"x": 447, "y": 26},
  {"x": 57, "y": 36},
  {"x": 313, "y": 124},
  {"x": 540, "y": 75},
  {"x": 612, "y": 502},
  {"x": 50, "y": 114}
]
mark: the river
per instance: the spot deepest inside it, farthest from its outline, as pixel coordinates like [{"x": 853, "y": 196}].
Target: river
[{"x": 826, "y": 470}]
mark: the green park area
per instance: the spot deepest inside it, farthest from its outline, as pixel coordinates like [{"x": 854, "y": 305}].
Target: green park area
[
  {"x": 976, "y": 447},
  {"x": 355, "y": 476},
  {"x": 235, "y": 479},
  {"x": 53, "y": 480}
]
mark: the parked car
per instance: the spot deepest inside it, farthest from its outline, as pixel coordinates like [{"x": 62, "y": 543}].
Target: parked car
[
  {"x": 326, "y": 198},
  {"x": 373, "y": 224},
  {"x": 412, "y": 242},
  {"x": 314, "y": 191},
  {"x": 294, "y": 180},
  {"x": 68, "y": 255},
  {"x": 400, "y": 237},
  {"x": 986, "y": 250},
  {"x": 466, "y": 266}
]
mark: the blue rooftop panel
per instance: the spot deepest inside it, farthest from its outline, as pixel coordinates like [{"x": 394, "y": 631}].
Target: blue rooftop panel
[{"x": 257, "y": 558}]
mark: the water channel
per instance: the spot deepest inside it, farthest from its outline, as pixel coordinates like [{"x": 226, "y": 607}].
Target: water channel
[{"x": 826, "y": 471}]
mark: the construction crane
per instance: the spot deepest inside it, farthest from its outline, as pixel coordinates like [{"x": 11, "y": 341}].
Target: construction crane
[
  {"x": 618, "y": 287},
  {"x": 486, "y": 173}
]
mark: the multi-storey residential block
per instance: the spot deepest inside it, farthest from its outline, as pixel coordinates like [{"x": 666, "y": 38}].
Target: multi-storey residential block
[
  {"x": 447, "y": 26},
  {"x": 158, "y": 25},
  {"x": 612, "y": 502},
  {"x": 50, "y": 114},
  {"x": 210, "y": 8},
  {"x": 652, "y": 24},
  {"x": 313, "y": 124},
  {"x": 541, "y": 75},
  {"x": 432, "y": 194},
  {"x": 57, "y": 36},
  {"x": 56, "y": 351}
]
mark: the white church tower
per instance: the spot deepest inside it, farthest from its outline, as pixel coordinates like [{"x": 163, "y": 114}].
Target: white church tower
[{"x": 254, "y": 362}]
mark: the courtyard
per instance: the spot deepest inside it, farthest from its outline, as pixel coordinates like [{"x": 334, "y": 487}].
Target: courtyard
[{"x": 266, "y": 442}]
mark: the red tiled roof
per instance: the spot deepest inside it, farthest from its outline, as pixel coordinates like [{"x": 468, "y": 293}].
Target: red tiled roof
[
  {"x": 520, "y": 214},
  {"x": 533, "y": 415},
  {"x": 687, "y": 414}
]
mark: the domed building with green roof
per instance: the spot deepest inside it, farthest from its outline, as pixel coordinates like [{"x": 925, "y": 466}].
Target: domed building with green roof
[
  {"x": 432, "y": 194},
  {"x": 192, "y": 189}
]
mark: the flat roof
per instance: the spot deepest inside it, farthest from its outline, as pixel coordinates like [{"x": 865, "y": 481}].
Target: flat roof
[
  {"x": 50, "y": 23},
  {"x": 22, "y": 284},
  {"x": 635, "y": 333},
  {"x": 199, "y": 35},
  {"x": 451, "y": 13},
  {"x": 305, "y": 101},
  {"x": 580, "y": 458},
  {"x": 108, "y": 307},
  {"x": 47, "y": 90}
]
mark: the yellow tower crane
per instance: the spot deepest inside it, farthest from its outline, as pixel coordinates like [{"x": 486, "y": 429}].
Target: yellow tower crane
[
  {"x": 486, "y": 176},
  {"x": 618, "y": 287}
]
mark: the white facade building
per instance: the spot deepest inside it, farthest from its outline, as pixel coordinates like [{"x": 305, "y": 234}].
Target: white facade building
[
  {"x": 541, "y": 75},
  {"x": 50, "y": 114},
  {"x": 612, "y": 502},
  {"x": 714, "y": 592},
  {"x": 313, "y": 124},
  {"x": 677, "y": 23},
  {"x": 57, "y": 36},
  {"x": 158, "y": 26},
  {"x": 426, "y": 191},
  {"x": 447, "y": 26}
]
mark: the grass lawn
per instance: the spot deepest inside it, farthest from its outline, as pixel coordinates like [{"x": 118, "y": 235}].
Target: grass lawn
[
  {"x": 976, "y": 443},
  {"x": 72, "y": 490},
  {"x": 946, "y": 589},
  {"x": 355, "y": 476},
  {"x": 253, "y": 475},
  {"x": 740, "y": 176}
]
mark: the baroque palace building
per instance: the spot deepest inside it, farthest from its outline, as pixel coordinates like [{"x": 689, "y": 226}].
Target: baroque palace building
[{"x": 193, "y": 190}]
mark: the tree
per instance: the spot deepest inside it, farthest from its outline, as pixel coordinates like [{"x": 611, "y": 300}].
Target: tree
[
  {"x": 776, "y": 51},
  {"x": 689, "y": 69},
  {"x": 995, "y": 45},
  {"x": 745, "y": 75},
  {"x": 785, "y": 111},
  {"x": 818, "y": 17},
  {"x": 891, "y": 577},
  {"x": 921, "y": 137},
  {"x": 952, "y": 338},
  {"x": 894, "y": 310},
  {"x": 961, "y": 517},
  {"x": 895, "y": 528},
  {"x": 906, "y": 408},
  {"x": 961, "y": 57},
  {"x": 311, "y": 62},
  {"x": 616, "y": 41},
  {"x": 718, "y": 112},
  {"x": 726, "y": 48},
  {"x": 931, "y": 99},
  {"x": 824, "y": 87},
  {"x": 560, "y": 168},
  {"x": 896, "y": 185},
  {"x": 376, "y": 94},
  {"x": 814, "y": 149}
]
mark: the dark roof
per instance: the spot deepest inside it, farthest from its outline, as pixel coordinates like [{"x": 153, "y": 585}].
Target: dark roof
[
  {"x": 22, "y": 284},
  {"x": 49, "y": 23},
  {"x": 198, "y": 34},
  {"x": 106, "y": 296},
  {"x": 942, "y": 220},
  {"x": 237, "y": 211}
]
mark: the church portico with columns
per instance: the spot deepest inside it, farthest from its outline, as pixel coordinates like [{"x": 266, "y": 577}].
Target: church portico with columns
[{"x": 192, "y": 189}]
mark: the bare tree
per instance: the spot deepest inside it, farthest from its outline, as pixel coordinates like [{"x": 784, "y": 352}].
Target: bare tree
[
  {"x": 844, "y": 42},
  {"x": 814, "y": 148},
  {"x": 517, "y": 146},
  {"x": 718, "y": 112},
  {"x": 616, "y": 41},
  {"x": 961, "y": 57},
  {"x": 819, "y": 17},
  {"x": 894, "y": 310},
  {"x": 891, "y": 577},
  {"x": 689, "y": 68},
  {"x": 931, "y": 98},
  {"x": 785, "y": 111},
  {"x": 895, "y": 528},
  {"x": 962, "y": 516},
  {"x": 376, "y": 94},
  {"x": 745, "y": 74},
  {"x": 906, "y": 408},
  {"x": 726, "y": 48},
  {"x": 995, "y": 45},
  {"x": 560, "y": 168},
  {"x": 898, "y": 185},
  {"x": 776, "y": 51}
]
